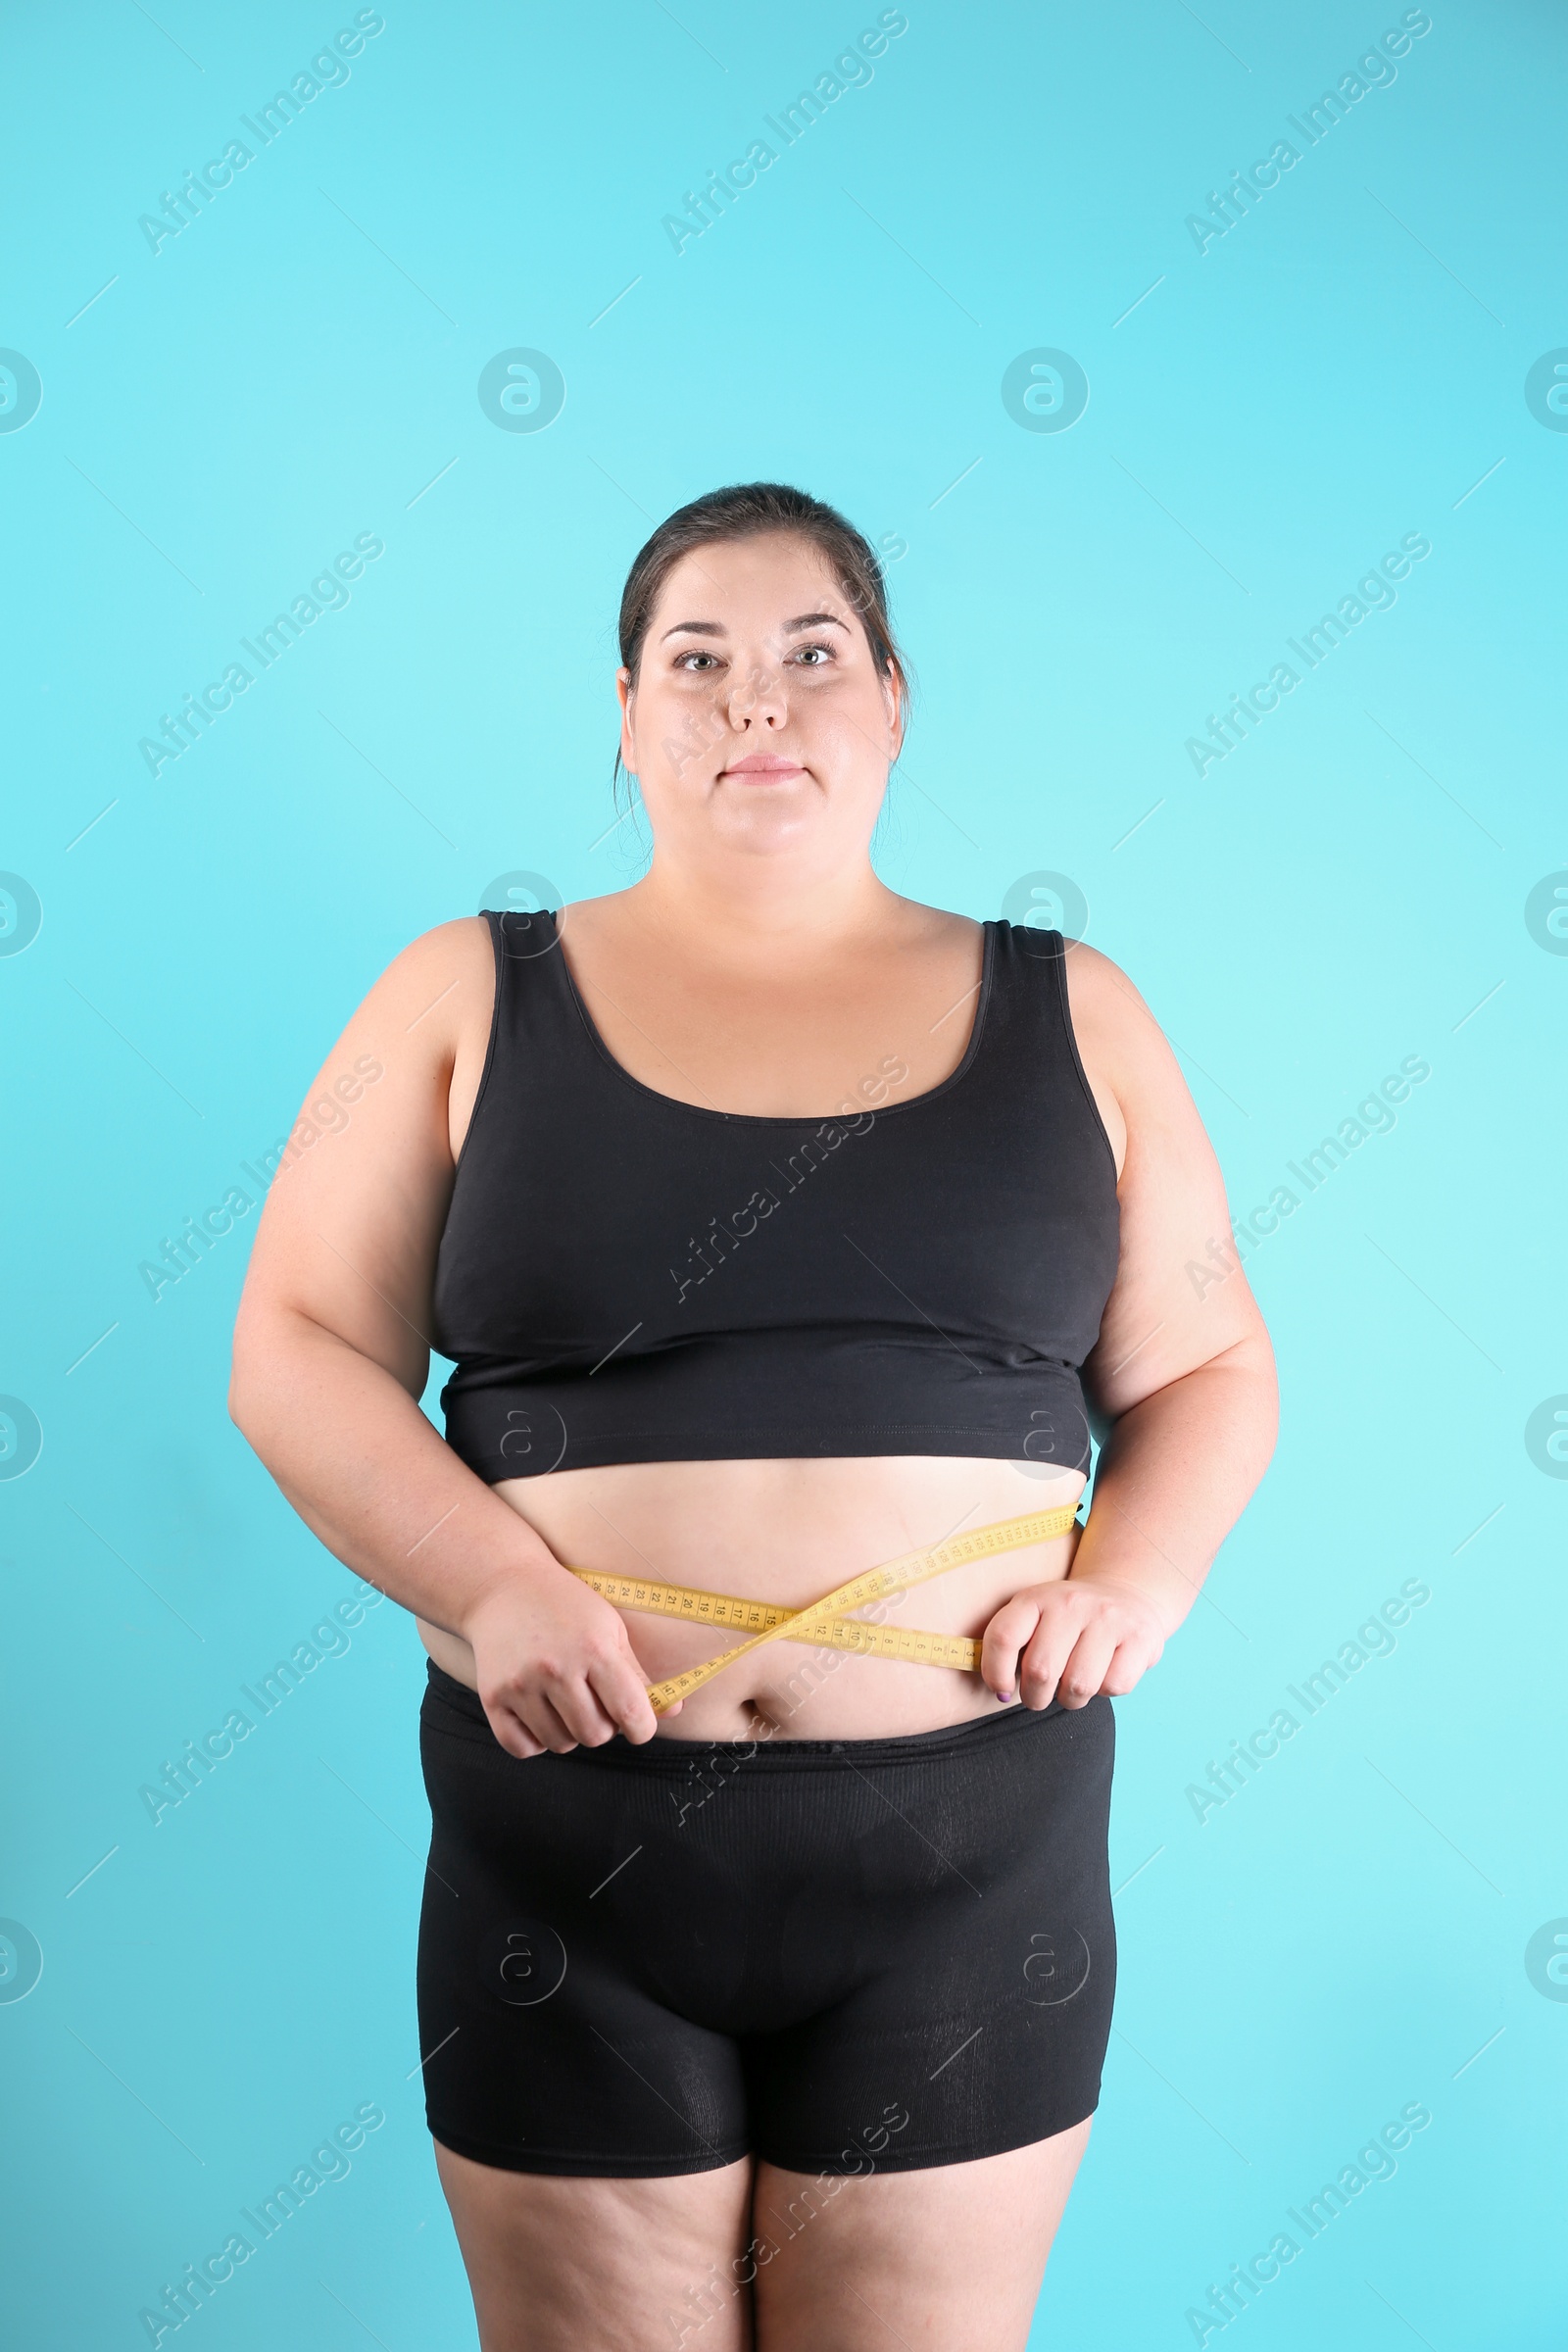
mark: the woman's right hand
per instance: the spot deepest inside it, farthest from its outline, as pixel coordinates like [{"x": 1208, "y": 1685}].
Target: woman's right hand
[{"x": 554, "y": 1665}]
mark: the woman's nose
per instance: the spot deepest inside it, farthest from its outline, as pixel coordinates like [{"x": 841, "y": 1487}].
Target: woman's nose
[{"x": 757, "y": 694}]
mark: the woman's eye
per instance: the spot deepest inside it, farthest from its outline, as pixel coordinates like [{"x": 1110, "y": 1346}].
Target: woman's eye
[
  {"x": 693, "y": 656},
  {"x": 814, "y": 649}
]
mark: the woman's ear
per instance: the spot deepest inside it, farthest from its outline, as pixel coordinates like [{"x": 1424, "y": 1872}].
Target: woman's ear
[
  {"x": 626, "y": 693},
  {"x": 895, "y": 695}
]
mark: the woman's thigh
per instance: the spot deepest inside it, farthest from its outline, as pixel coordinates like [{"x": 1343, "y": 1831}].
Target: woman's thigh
[
  {"x": 572, "y": 2265},
  {"x": 950, "y": 2256}
]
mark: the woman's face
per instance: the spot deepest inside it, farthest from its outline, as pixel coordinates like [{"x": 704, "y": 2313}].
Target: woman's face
[{"x": 759, "y": 721}]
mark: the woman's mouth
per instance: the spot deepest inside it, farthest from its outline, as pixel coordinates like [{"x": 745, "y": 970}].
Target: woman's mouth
[{"x": 763, "y": 767}]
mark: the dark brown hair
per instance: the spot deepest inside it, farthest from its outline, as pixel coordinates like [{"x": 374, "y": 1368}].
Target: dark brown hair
[{"x": 744, "y": 510}]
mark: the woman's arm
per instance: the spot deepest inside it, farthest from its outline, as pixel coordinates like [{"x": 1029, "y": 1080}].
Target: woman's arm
[
  {"x": 332, "y": 1352},
  {"x": 1181, "y": 1380}
]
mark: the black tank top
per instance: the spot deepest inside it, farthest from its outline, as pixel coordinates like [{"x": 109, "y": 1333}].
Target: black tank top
[{"x": 627, "y": 1278}]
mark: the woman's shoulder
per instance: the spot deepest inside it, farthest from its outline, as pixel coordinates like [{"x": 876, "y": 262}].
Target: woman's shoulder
[
  {"x": 1120, "y": 1043},
  {"x": 465, "y": 935},
  {"x": 1105, "y": 1002},
  {"x": 456, "y": 950},
  {"x": 433, "y": 996}
]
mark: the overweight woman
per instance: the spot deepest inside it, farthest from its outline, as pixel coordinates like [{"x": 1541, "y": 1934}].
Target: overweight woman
[{"x": 788, "y": 1238}]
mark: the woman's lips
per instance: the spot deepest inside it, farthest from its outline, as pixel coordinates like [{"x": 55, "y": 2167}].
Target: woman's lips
[{"x": 764, "y": 772}]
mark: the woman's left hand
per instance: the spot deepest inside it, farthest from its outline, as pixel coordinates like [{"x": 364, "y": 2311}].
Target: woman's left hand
[{"x": 1071, "y": 1639}]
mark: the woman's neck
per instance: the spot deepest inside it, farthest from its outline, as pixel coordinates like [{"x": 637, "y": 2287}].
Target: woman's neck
[{"x": 749, "y": 907}]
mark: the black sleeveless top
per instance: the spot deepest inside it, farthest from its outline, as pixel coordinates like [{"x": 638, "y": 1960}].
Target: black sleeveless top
[{"x": 627, "y": 1278}]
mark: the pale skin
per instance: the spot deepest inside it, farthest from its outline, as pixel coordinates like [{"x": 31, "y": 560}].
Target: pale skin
[{"x": 761, "y": 966}]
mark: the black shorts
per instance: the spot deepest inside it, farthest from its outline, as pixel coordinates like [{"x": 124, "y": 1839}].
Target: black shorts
[{"x": 842, "y": 1956}]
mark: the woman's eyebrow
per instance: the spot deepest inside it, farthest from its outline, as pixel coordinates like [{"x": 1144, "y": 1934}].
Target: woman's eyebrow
[{"x": 716, "y": 628}]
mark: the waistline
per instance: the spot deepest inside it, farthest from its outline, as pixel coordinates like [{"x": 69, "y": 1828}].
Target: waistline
[{"x": 681, "y": 1757}]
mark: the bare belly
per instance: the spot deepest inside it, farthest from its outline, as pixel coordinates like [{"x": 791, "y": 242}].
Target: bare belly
[{"x": 789, "y": 1532}]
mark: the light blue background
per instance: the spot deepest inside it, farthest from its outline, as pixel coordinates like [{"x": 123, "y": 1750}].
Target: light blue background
[{"x": 1346, "y": 889}]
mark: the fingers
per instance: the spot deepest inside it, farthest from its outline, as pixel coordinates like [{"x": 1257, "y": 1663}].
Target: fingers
[
  {"x": 581, "y": 1710},
  {"x": 1076, "y": 1678},
  {"x": 1127, "y": 1668},
  {"x": 622, "y": 1696},
  {"x": 1005, "y": 1637},
  {"x": 571, "y": 1708},
  {"x": 1039, "y": 1667},
  {"x": 511, "y": 1730},
  {"x": 528, "y": 1721},
  {"x": 1074, "y": 1644}
]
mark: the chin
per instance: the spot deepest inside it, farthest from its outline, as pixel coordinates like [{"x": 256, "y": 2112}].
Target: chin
[
  {"x": 765, "y": 832},
  {"x": 766, "y": 817}
]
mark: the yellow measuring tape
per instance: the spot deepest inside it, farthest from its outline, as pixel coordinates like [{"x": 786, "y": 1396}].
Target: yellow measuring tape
[{"x": 826, "y": 1622}]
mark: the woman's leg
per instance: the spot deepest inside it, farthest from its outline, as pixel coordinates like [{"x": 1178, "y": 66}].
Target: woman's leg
[
  {"x": 571, "y": 2265},
  {"x": 949, "y": 2256}
]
